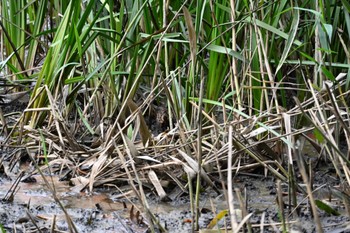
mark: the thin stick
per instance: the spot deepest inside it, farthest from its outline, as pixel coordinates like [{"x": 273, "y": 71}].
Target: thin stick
[
  {"x": 229, "y": 180},
  {"x": 199, "y": 149}
]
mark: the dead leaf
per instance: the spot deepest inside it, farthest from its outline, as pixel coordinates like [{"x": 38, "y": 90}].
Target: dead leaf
[
  {"x": 191, "y": 34},
  {"x": 156, "y": 183}
]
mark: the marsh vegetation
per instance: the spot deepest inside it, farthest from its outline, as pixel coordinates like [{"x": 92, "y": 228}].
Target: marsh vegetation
[{"x": 174, "y": 99}]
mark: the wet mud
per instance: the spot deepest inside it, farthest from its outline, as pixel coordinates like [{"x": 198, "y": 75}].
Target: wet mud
[{"x": 33, "y": 207}]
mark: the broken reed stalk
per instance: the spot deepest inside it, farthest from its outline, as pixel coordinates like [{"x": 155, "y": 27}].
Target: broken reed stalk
[
  {"x": 199, "y": 150},
  {"x": 243, "y": 205},
  {"x": 292, "y": 188},
  {"x": 4, "y": 130},
  {"x": 9, "y": 196},
  {"x": 292, "y": 197},
  {"x": 305, "y": 177},
  {"x": 32, "y": 219},
  {"x": 281, "y": 205},
  {"x": 152, "y": 220},
  {"x": 70, "y": 222},
  {"x": 229, "y": 179},
  {"x": 53, "y": 224},
  {"x": 262, "y": 222},
  {"x": 190, "y": 189}
]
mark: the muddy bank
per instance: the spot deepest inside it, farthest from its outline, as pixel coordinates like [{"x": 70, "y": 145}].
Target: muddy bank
[{"x": 33, "y": 208}]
